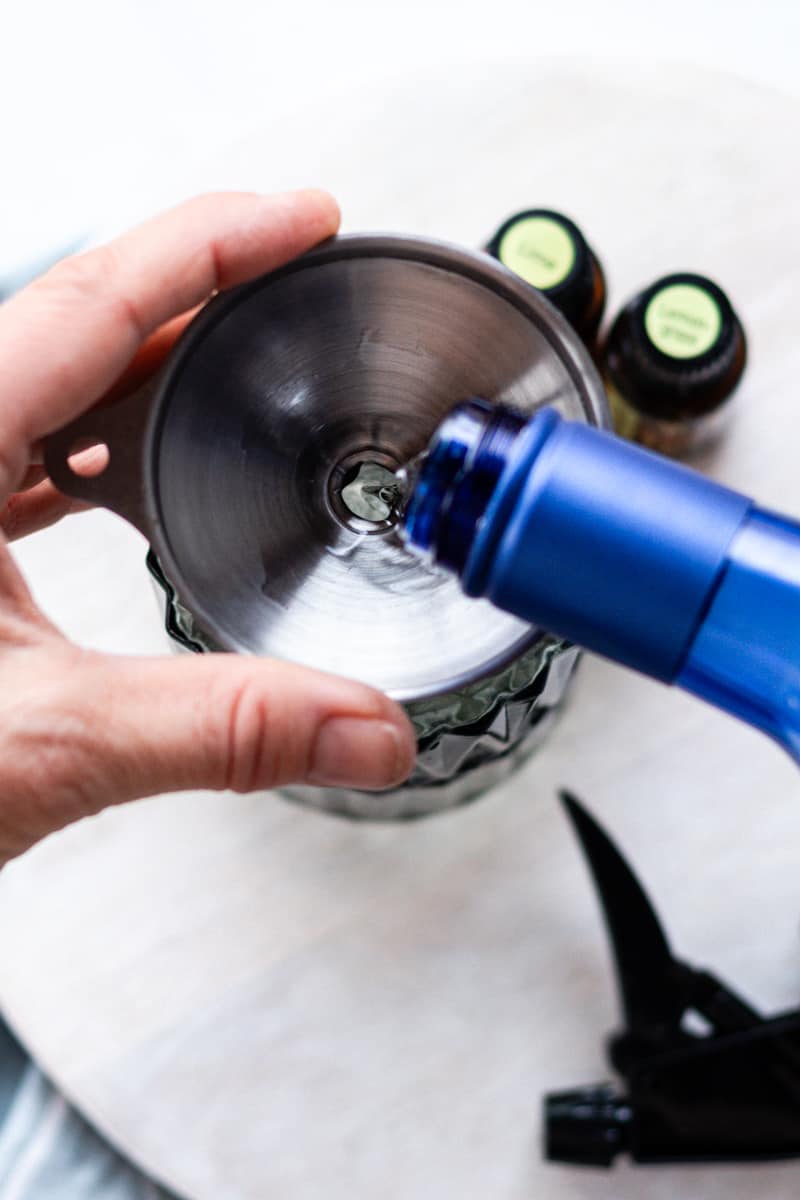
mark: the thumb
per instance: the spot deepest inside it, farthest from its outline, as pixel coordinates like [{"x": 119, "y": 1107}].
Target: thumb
[{"x": 219, "y": 721}]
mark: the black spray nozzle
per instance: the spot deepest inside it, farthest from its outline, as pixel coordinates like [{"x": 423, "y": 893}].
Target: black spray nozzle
[
  {"x": 587, "y": 1126},
  {"x": 707, "y": 1078}
]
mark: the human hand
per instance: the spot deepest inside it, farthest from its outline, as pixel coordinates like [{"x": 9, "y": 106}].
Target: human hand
[{"x": 81, "y": 730}]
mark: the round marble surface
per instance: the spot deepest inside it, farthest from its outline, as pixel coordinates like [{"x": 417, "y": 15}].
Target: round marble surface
[{"x": 253, "y": 1000}]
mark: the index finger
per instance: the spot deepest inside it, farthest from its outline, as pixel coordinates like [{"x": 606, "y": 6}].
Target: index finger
[{"x": 66, "y": 338}]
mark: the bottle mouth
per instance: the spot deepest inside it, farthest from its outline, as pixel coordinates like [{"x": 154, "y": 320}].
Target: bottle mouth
[{"x": 455, "y": 481}]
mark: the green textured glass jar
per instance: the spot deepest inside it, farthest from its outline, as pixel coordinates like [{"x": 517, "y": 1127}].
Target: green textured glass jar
[
  {"x": 262, "y": 475},
  {"x": 467, "y": 739}
]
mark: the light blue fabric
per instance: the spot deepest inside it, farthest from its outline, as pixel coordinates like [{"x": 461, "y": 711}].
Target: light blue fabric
[
  {"x": 12, "y": 278},
  {"x": 47, "y": 1151}
]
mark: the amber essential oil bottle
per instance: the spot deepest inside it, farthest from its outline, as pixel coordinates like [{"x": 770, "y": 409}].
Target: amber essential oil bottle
[
  {"x": 671, "y": 360},
  {"x": 548, "y": 250}
]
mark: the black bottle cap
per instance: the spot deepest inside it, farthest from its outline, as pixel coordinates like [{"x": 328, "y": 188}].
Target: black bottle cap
[
  {"x": 589, "y": 1126},
  {"x": 547, "y": 250},
  {"x": 677, "y": 349}
]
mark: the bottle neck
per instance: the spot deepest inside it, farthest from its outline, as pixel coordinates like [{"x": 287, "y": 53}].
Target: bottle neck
[{"x": 458, "y": 477}]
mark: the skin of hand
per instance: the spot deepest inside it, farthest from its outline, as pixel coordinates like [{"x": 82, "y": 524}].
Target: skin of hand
[{"x": 80, "y": 730}]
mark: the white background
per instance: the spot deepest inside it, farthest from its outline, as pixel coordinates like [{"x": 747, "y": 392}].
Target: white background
[{"x": 99, "y": 98}]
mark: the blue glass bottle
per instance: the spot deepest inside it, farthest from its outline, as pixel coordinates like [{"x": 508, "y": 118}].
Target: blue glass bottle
[{"x": 620, "y": 550}]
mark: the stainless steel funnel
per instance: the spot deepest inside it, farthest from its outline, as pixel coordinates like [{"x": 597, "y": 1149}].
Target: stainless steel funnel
[{"x": 280, "y": 397}]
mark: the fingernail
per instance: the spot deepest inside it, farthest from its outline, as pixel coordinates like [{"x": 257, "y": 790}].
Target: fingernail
[{"x": 353, "y": 752}]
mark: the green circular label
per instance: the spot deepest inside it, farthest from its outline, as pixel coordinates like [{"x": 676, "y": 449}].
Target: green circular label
[
  {"x": 683, "y": 320},
  {"x": 538, "y": 249}
]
